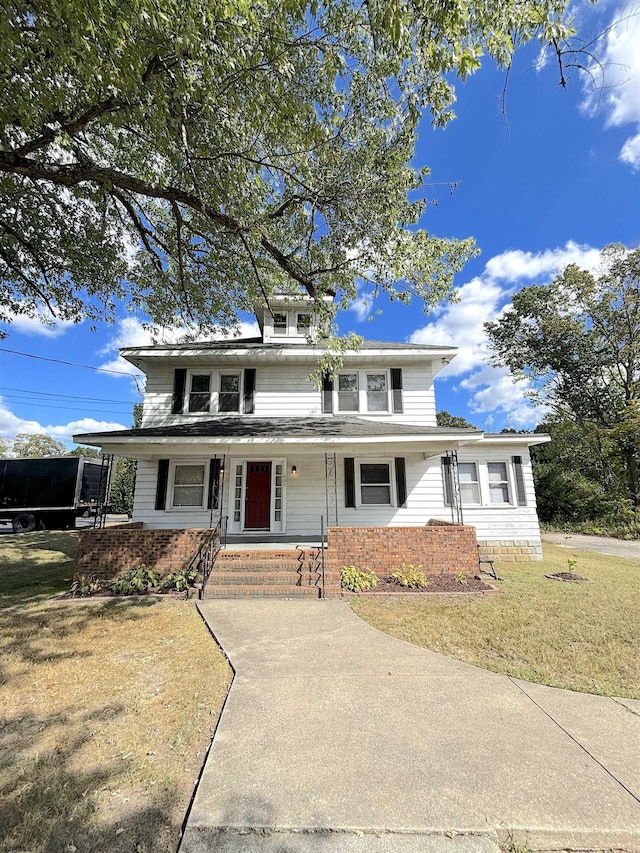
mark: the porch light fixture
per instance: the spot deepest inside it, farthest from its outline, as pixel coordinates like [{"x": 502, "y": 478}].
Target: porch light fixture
[{"x": 294, "y": 470}]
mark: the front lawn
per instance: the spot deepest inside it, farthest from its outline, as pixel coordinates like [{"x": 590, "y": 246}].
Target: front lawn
[
  {"x": 578, "y": 636},
  {"x": 108, "y": 707}
]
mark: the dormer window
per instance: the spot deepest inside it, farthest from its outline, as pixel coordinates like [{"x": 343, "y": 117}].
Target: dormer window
[
  {"x": 303, "y": 323},
  {"x": 280, "y": 323}
]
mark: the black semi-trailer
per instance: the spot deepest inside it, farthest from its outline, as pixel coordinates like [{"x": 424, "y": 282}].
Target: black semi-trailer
[{"x": 50, "y": 492}]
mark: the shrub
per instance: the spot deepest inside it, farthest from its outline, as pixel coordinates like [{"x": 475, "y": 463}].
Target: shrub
[
  {"x": 410, "y": 576},
  {"x": 180, "y": 580},
  {"x": 357, "y": 580},
  {"x": 461, "y": 577},
  {"x": 136, "y": 580},
  {"x": 85, "y": 585}
]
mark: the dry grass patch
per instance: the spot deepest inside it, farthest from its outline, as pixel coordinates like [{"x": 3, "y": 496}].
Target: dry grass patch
[
  {"x": 578, "y": 636},
  {"x": 108, "y": 707}
]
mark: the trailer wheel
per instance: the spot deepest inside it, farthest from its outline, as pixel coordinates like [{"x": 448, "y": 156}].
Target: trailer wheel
[{"x": 25, "y": 522}]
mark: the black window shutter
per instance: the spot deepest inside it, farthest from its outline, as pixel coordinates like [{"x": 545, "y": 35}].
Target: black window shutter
[
  {"x": 349, "y": 481},
  {"x": 161, "y": 485},
  {"x": 520, "y": 488},
  {"x": 327, "y": 393},
  {"x": 213, "y": 500},
  {"x": 249, "y": 390},
  {"x": 396, "y": 389},
  {"x": 179, "y": 383},
  {"x": 447, "y": 479},
  {"x": 401, "y": 481}
]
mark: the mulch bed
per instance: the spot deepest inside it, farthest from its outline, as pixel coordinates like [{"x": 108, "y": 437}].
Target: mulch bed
[
  {"x": 572, "y": 577},
  {"x": 435, "y": 584}
]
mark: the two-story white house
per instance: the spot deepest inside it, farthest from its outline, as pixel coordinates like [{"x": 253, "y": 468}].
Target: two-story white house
[{"x": 238, "y": 430}]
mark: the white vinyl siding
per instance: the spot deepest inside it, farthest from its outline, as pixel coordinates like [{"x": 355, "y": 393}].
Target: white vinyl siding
[{"x": 285, "y": 389}]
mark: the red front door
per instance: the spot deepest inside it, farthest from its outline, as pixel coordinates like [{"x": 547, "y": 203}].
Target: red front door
[{"x": 257, "y": 505}]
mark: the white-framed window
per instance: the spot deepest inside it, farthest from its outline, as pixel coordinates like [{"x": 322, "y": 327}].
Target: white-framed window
[
  {"x": 303, "y": 323},
  {"x": 280, "y": 323},
  {"x": 199, "y": 392},
  {"x": 374, "y": 482},
  {"x": 348, "y": 392},
  {"x": 498, "y": 483},
  {"x": 362, "y": 391},
  {"x": 469, "y": 483},
  {"x": 188, "y": 481},
  {"x": 229, "y": 393},
  {"x": 214, "y": 391}
]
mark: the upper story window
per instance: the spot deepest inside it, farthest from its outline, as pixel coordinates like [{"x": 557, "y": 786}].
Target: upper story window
[
  {"x": 303, "y": 323},
  {"x": 200, "y": 392},
  {"x": 280, "y": 324},
  {"x": 229, "y": 394},
  {"x": 214, "y": 392},
  {"x": 363, "y": 391}
]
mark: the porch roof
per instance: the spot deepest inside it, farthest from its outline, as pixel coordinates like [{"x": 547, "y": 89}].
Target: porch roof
[{"x": 240, "y": 430}]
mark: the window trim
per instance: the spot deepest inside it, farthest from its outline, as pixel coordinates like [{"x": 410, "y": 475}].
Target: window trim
[
  {"x": 214, "y": 390},
  {"x": 363, "y": 374},
  {"x": 278, "y": 331},
  {"x": 484, "y": 484},
  {"x": 477, "y": 465},
  {"x": 507, "y": 482},
  {"x": 365, "y": 460},
  {"x": 171, "y": 483}
]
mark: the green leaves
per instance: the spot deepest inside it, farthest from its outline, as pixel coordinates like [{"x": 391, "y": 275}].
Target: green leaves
[{"x": 193, "y": 157}]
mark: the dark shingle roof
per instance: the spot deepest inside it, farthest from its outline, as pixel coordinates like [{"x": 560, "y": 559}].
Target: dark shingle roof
[
  {"x": 282, "y": 428},
  {"x": 258, "y": 343}
]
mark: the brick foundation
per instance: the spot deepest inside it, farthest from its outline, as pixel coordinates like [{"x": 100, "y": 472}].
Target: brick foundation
[
  {"x": 110, "y": 552},
  {"x": 437, "y": 548},
  {"x": 511, "y": 550}
]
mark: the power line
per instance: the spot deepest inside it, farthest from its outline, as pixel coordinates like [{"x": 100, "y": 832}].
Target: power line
[
  {"x": 34, "y": 404},
  {"x": 66, "y": 396},
  {"x": 74, "y": 364}
]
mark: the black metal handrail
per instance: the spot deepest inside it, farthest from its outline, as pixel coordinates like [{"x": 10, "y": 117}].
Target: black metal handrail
[{"x": 205, "y": 557}]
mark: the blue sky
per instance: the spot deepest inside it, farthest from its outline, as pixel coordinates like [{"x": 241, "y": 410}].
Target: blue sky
[{"x": 549, "y": 183}]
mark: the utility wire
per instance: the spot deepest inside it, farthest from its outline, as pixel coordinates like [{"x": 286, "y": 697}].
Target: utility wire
[
  {"x": 66, "y": 396},
  {"x": 75, "y": 364}
]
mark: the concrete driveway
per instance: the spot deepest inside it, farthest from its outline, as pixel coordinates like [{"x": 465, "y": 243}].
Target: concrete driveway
[
  {"x": 338, "y": 738},
  {"x": 600, "y": 544}
]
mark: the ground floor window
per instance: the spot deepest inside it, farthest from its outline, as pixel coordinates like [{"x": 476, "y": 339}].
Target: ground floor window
[
  {"x": 188, "y": 484},
  {"x": 375, "y": 484}
]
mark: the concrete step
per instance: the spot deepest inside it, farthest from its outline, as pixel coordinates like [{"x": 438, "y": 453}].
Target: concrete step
[{"x": 257, "y": 591}]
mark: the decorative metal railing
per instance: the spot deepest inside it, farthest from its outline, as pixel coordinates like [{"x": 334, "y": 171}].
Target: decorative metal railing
[{"x": 205, "y": 557}]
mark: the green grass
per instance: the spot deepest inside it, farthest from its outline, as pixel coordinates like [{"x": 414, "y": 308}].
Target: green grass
[
  {"x": 577, "y": 636},
  {"x": 108, "y": 707}
]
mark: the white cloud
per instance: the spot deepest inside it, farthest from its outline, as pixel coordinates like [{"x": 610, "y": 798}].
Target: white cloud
[
  {"x": 483, "y": 299},
  {"x": 361, "y": 305},
  {"x": 130, "y": 332},
  {"x": 45, "y": 324},
  {"x": 11, "y": 425},
  {"x": 616, "y": 91}
]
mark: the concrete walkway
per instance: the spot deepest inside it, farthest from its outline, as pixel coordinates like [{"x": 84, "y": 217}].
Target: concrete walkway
[{"x": 338, "y": 738}]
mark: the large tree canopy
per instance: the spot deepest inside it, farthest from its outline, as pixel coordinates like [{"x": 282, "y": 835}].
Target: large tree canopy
[
  {"x": 578, "y": 342},
  {"x": 194, "y": 155}
]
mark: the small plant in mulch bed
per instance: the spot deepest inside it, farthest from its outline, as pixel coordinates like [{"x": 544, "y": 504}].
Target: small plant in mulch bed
[
  {"x": 410, "y": 576},
  {"x": 570, "y": 575},
  {"x": 85, "y": 585},
  {"x": 179, "y": 580},
  {"x": 134, "y": 582},
  {"x": 357, "y": 580},
  {"x": 461, "y": 578}
]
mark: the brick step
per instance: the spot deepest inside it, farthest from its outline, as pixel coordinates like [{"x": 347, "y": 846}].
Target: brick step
[
  {"x": 278, "y": 591},
  {"x": 289, "y": 557},
  {"x": 260, "y": 578},
  {"x": 259, "y": 568}
]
